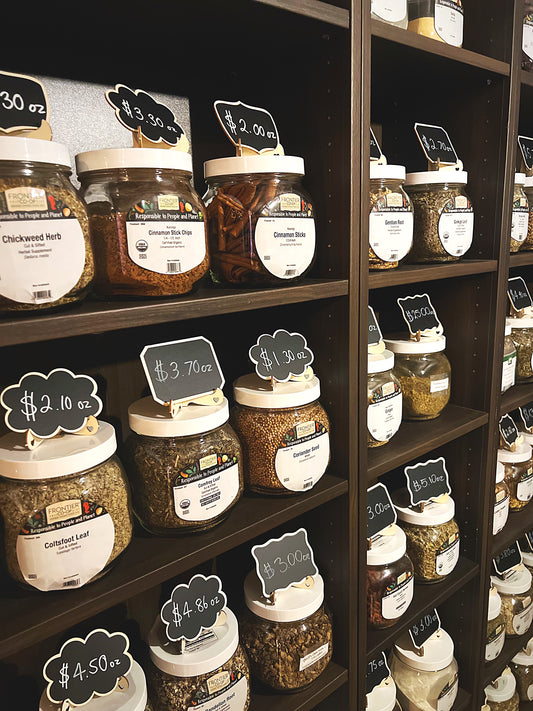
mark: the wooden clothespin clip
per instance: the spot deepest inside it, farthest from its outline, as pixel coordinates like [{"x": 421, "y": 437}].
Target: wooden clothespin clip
[
  {"x": 306, "y": 584},
  {"x": 123, "y": 684}
]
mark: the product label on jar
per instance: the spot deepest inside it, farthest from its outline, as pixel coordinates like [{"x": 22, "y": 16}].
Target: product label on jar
[
  {"x": 524, "y": 488},
  {"x": 527, "y": 36},
  {"x": 42, "y": 248},
  {"x": 495, "y": 643},
  {"x": 520, "y": 220},
  {"x": 313, "y": 657},
  {"x": 447, "y": 696},
  {"x": 390, "y": 10},
  {"x": 166, "y": 235},
  {"x": 303, "y": 456},
  {"x": 449, "y": 21},
  {"x": 501, "y": 512},
  {"x": 439, "y": 384},
  {"x": 65, "y": 545},
  {"x": 508, "y": 371},
  {"x": 522, "y": 621},
  {"x": 207, "y": 487},
  {"x": 384, "y": 412},
  {"x": 456, "y": 226},
  {"x": 391, "y": 227},
  {"x": 447, "y": 555},
  {"x": 285, "y": 236},
  {"x": 227, "y": 690},
  {"x": 398, "y": 596},
  {"x": 530, "y": 692}
]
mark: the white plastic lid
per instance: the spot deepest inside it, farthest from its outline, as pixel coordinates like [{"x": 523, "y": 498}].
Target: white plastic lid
[
  {"x": 527, "y": 558},
  {"x": 522, "y": 454},
  {"x": 386, "y": 172},
  {"x": 431, "y": 344},
  {"x": 508, "y": 328},
  {"x": 291, "y": 604},
  {"x": 210, "y": 651},
  {"x": 438, "y": 651},
  {"x": 33, "y": 149},
  {"x": 506, "y": 686},
  {"x": 528, "y": 438},
  {"x": 495, "y": 604},
  {"x": 437, "y": 177},
  {"x": 382, "y": 697},
  {"x": 380, "y": 362},
  {"x": 516, "y": 323},
  {"x": 55, "y": 457},
  {"x": 387, "y": 549},
  {"x": 525, "y": 655},
  {"x": 253, "y": 391},
  {"x": 242, "y": 165},
  {"x": 529, "y": 181},
  {"x": 519, "y": 178},
  {"x": 518, "y": 581},
  {"x": 500, "y": 472},
  {"x": 434, "y": 513},
  {"x": 134, "y": 698},
  {"x": 148, "y": 417},
  {"x": 110, "y": 158}
]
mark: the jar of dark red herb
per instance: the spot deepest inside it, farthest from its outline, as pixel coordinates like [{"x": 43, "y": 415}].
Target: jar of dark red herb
[{"x": 146, "y": 221}]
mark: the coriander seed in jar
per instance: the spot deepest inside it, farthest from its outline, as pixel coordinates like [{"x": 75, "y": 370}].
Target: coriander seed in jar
[
  {"x": 520, "y": 213},
  {"x": 384, "y": 399}
]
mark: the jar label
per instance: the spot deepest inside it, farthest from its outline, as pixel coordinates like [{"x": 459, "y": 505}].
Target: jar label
[
  {"x": 313, "y": 657},
  {"x": 449, "y": 21},
  {"x": 495, "y": 643},
  {"x": 390, "y": 10},
  {"x": 42, "y": 248},
  {"x": 65, "y": 545},
  {"x": 391, "y": 227},
  {"x": 527, "y": 36},
  {"x": 530, "y": 692},
  {"x": 384, "y": 412},
  {"x": 524, "y": 489},
  {"x": 207, "y": 487},
  {"x": 456, "y": 226},
  {"x": 447, "y": 555},
  {"x": 303, "y": 456},
  {"x": 398, "y": 596},
  {"x": 225, "y": 691},
  {"x": 522, "y": 621},
  {"x": 520, "y": 220},
  {"x": 508, "y": 371},
  {"x": 439, "y": 384},
  {"x": 501, "y": 512},
  {"x": 448, "y": 694}
]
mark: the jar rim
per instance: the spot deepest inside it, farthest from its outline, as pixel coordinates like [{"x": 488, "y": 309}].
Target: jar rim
[
  {"x": 253, "y": 391},
  {"x": 437, "y": 177},
  {"x": 148, "y": 417},
  {"x": 386, "y": 172},
  {"x": 34, "y": 150},
  {"x": 242, "y": 165},
  {"x": 517, "y": 582},
  {"x": 116, "y": 158},
  {"x": 291, "y": 605},
  {"x": 438, "y": 652}
]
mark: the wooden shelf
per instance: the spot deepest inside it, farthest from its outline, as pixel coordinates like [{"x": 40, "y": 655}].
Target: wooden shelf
[
  {"x": 323, "y": 11},
  {"x": 526, "y": 78},
  {"x": 521, "y": 259},
  {"x": 412, "y": 273},
  {"x": 515, "y": 397},
  {"x": 517, "y": 524}
]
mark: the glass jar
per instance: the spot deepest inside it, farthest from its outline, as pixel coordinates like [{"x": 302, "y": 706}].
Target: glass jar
[
  {"x": 444, "y": 216},
  {"x": 501, "y": 500},
  {"x": 424, "y": 373},
  {"x": 522, "y": 337},
  {"x": 517, "y": 606},
  {"x": 391, "y": 216},
  {"x": 527, "y": 42},
  {"x": 65, "y": 507},
  {"x": 527, "y": 244},
  {"x": 384, "y": 399},
  {"x": 509, "y": 360},
  {"x": 432, "y": 536},
  {"x": 518, "y": 475},
  {"x": 393, "y": 12},
  {"x": 261, "y": 221},
  {"x": 495, "y": 634},
  {"x": 428, "y": 682},
  {"x": 213, "y": 667},
  {"x": 383, "y": 697},
  {"x": 289, "y": 641},
  {"x": 186, "y": 471},
  {"x": 527, "y": 555},
  {"x": 502, "y": 695},
  {"x": 45, "y": 252},
  {"x": 389, "y": 579},
  {"x": 520, "y": 214},
  {"x": 439, "y": 19},
  {"x": 146, "y": 221},
  {"x": 284, "y": 433},
  {"x": 522, "y": 668}
]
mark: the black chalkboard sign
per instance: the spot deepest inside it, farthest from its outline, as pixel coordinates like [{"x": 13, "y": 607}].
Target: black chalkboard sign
[
  {"x": 507, "y": 559},
  {"x": 137, "y": 110},
  {"x": 281, "y": 562},
  {"x": 419, "y": 313},
  {"x": 23, "y": 102},
  {"x": 518, "y": 293},
  {"x": 281, "y": 355},
  {"x": 427, "y": 480},
  {"x": 193, "y": 608},
  {"x": 253, "y": 126},
  {"x": 374, "y": 331},
  {"x": 87, "y": 667},
  {"x": 48, "y": 404},
  {"x": 526, "y": 415},
  {"x": 526, "y": 148},
  {"x": 424, "y": 627},
  {"x": 180, "y": 370},
  {"x": 379, "y": 508},
  {"x": 508, "y": 429},
  {"x": 436, "y": 144},
  {"x": 375, "y": 150},
  {"x": 376, "y": 671}
]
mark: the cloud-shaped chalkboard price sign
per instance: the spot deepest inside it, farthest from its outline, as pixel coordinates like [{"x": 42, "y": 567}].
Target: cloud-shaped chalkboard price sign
[
  {"x": 47, "y": 404},
  {"x": 87, "y": 667},
  {"x": 281, "y": 355},
  {"x": 193, "y": 608}
]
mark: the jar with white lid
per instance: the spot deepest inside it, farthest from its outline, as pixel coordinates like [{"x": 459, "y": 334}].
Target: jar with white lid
[
  {"x": 146, "y": 220},
  {"x": 517, "y": 605},
  {"x": 284, "y": 433},
  {"x": 133, "y": 698},
  {"x": 502, "y": 499},
  {"x": 428, "y": 682},
  {"x": 391, "y": 216},
  {"x": 261, "y": 220},
  {"x": 65, "y": 507},
  {"x": 502, "y": 695},
  {"x": 509, "y": 360},
  {"x": 46, "y": 258},
  {"x": 383, "y": 697},
  {"x": 211, "y": 672},
  {"x": 186, "y": 472},
  {"x": 432, "y": 536},
  {"x": 522, "y": 668},
  {"x": 527, "y": 556},
  {"x": 289, "y": 642},
  {"x": 522, "y": 337},
  {"x": 495, "y": 634},
  {"x": 424, "y": 373},
  {"x": 441, "y": 20},
  {"x": 520, "y": 213},
  {"x": 444, "y": 216},
  {"x": 518, "y": 475},
  {"x": 384, "y": 399},
  {"x": 393, "y": 12},
  {"x": 389, "y": 579}
]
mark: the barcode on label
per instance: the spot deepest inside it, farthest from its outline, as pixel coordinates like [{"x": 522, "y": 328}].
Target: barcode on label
[
  {"x": 290, "y": 272},
  {"x": 308, "y": 484},
  {"x": 44, "y": 295},
  {"x": 71, "y": 583},
  {"x": 173, "y": 267},
  {"x": 32, "y": 576}
]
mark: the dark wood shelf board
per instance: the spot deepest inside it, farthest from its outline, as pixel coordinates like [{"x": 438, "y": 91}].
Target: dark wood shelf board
[
  {"x": 414, "y": 439},
  {"x": 511, "y": 647},
  {"x": 314, "y": 9},
  {"x": 27, "y": 617},
  {"x": 526, "y": 78},
  {"x": 521, "y": 259},
  {"x": 515, "y": 397},
  {"x": 425, "y": 597},
  {"x": 412, "y": 273},
  {"x": 463, "y": 701},
  {"x": 102, "y": 316},
  {"x": 517, "y": 524}
]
